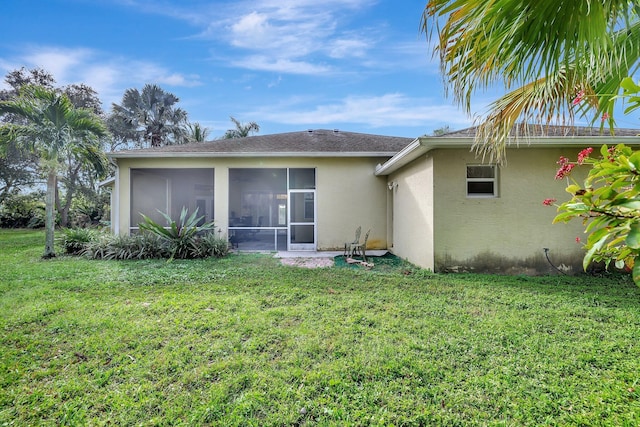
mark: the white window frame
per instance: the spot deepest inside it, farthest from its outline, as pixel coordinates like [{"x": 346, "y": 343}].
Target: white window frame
[{"x": 493, "y": 180}]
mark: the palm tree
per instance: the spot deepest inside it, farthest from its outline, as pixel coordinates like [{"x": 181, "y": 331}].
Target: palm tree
[
  {"x": 441, "y": 131},
  {"x": 150, "y": 117},
  {"x": 53, "y": 129},
  {"x": 242, "y": 129},
  {"x": 197, "y": 133},
  {"x": 548, "y": 54}
]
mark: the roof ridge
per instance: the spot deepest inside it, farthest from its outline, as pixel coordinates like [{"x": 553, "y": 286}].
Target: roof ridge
[
  {"x": 311, "y": 141},
  {"x": 533, "y": 129}
]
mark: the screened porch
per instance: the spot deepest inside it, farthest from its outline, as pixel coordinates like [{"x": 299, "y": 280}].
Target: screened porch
[
  {"x": 169, "y": 190},
  {"x": 272, "y": 209}
]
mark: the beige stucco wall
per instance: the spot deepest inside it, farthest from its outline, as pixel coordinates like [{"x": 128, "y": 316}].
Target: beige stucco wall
[
  {"x": 436, "y": 226},
  {"x": 507, "y": 233},
  {"x": 347, "y": 191},
  {"x": 412, "y": 213}
]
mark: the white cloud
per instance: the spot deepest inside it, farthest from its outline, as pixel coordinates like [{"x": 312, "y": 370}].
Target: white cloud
[
  {"x": 250, "y": 30},
  {"x": 264, "y": 63},
  {"x": 297, "y": 33},
  {"x": 60, "y": 62},
  {"x": 348, "y": 48},
  {"x": 269, "y": 32},
  {"x": 110, "y": 76},
  {"x": 275, "y": 83},
  {"x": 375, "y": 111},
  {"x": 149, "y": 72}
]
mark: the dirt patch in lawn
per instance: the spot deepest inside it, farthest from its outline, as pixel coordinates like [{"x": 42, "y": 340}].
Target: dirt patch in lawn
[{"x": 386, "y": 263}]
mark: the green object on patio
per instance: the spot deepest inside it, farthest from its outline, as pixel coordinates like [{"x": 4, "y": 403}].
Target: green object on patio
[{"x": 386, "y": 262}]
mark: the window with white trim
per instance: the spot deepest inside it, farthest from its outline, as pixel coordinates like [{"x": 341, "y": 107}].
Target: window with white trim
[{"x": 482, "y": 181}]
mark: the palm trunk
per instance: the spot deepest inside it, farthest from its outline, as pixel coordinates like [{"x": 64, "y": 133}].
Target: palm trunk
[
  {"x": 49, "y": 221},
  {"x": 71, "y": 184},
  {"x": 63, "y": 209}
]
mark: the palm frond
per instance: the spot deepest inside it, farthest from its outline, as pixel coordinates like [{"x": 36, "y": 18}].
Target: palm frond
[
  {"x": 544, "y": 102},
  {"x": 242, "y": 130},
  {"x": 482, "y": 42}
]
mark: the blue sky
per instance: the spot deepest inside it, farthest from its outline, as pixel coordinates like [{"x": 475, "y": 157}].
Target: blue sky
[{"x": 289, "y": 65}]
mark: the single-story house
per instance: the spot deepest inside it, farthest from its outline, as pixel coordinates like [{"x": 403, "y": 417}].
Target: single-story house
[{"x": 429, "y": 200}]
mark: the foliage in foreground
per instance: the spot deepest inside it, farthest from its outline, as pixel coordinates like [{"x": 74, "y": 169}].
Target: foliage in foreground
[
  {"x": 245, "y": 341},
  {"x": 608, "y": 203},
  {"x": 543, "y": 52}
]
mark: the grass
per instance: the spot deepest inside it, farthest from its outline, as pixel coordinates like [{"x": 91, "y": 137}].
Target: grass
[
  {"x": 246, "y": 341},
  {"x": 386, "y": 263}
]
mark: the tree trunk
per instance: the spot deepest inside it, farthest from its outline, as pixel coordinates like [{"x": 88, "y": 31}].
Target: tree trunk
[
  {"x": 56, "y": 198},
  {"x": 63, "y": 209},
  {"x": 49, "y": 221},
  {"x": 4, "y": 193},
  {"x": 70, "y": 183}
]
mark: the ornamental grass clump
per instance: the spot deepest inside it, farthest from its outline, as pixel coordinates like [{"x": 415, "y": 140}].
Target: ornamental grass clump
[
  {"x": 121, "y": 247},
  {"x": 211, "y": 245},
  {"x": 75, "y": 240}
]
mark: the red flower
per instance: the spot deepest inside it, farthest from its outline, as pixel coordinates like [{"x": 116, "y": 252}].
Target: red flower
[
  {"x": 605, "y": 116},
  {"x": 548, "y": 202},
  {"x": 584, "y": 154},
  {"x": 564, "y": 170},
  {"x": 577, "y": 240},
  {"x": 578, "y": 97}
]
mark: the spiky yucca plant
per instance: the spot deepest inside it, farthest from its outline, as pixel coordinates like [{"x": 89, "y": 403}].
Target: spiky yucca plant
[{"x": 180, "y": 235}]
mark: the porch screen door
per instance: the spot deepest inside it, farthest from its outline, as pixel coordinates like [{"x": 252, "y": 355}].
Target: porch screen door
[{"x": 302, "y": 220}]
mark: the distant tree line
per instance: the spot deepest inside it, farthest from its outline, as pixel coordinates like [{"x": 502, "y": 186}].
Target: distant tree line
[{"x": 53, "y": 142}]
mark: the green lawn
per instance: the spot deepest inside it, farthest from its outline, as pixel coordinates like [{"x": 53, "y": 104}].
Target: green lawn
[{"x": 245, "y": 341}]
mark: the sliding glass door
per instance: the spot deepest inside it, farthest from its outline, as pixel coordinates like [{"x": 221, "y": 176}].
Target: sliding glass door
[
  {"x": 302, "y": 209},
  {"x": 302, "y": 223}
]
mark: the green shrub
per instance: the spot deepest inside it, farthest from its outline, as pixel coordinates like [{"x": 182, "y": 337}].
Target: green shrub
[
  {"x": 121, "y": 247},
  {"x": 143, "y": 246},
  {"x": 23, "y": 211},
  {"x": 211, "y": 244},
  {"x": 89, "y": 209},
  {"x": 106, "y": 247},
  {"x": 183, "y": 239},
  {"x": 75, "y": 240},
  {"x": 154, "y": 247}
]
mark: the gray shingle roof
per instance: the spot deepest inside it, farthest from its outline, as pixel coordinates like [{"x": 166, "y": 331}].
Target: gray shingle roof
[
  {"x": 548, "y": 131},
  {"x": 305, "y": 142}
]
